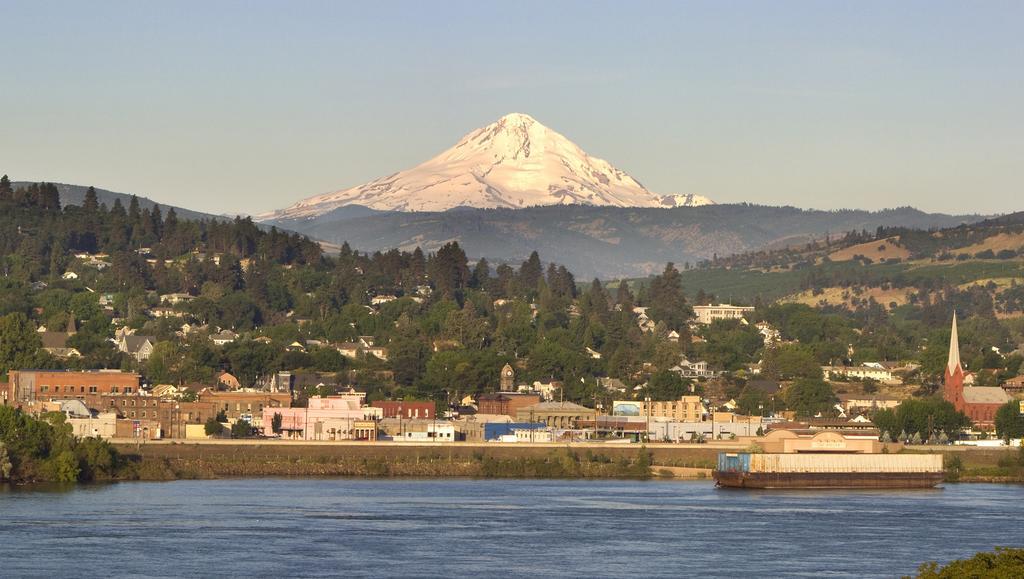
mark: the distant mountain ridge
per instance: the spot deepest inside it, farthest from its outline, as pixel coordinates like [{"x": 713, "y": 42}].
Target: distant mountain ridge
[
  {"x": 515, "y": 162},
  {"x": 74, "y": 194},
  {"x": 606, "y": 242}
]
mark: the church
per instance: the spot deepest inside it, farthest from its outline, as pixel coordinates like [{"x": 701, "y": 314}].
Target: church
[{"x": 979, "y": 403}]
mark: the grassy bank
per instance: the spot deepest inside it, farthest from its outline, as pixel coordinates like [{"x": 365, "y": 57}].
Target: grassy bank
[
  {"x": 988, "y": 465},
  {"x": 190, "y": 460},
  {"x": 171, "y": 461}
]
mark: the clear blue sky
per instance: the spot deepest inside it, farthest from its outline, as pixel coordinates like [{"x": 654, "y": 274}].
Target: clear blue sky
[{"x": 249, "y": 106}]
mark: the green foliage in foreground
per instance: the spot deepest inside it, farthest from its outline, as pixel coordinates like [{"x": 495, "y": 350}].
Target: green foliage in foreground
[
  {"x": 926, "y": 416},
  {"x": 44, "y": 450},
  {"x": 1004, "y": 562}
]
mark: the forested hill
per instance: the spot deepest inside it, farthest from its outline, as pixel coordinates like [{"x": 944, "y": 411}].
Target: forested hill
[
  {"x": 75, "y": 195},
  {"x": 982, "y": 262},
  {"x": 606, "y": 242}
]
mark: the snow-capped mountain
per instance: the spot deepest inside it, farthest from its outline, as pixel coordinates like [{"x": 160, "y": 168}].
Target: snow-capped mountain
[{"x": 515, "y": 162}]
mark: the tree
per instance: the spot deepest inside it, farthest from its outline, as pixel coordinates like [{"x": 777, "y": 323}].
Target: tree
[
  {"x": 91, "y": 203},
  {"x": 666, "y": 385},
  {"x": 530, "y": 273},
  {"x": 213, "y": 427},
  {"x": 1004, "y": 562},
  {"x": 275, "y": 423},
  {"x": 927, "y": 416},
  {"x": 810, "y": 396},
  {"x": 1010, "y": 420},
  {"x": 449, "y": 270},
  {"x": 19, "y": 343},
  {"x": 666, "y": 299},
  {"x": 790, "y": 362},
  {"x": 241, "y": 429},
  {"x": 6, "y": 466},
  {"x": 752, "y": 401}
]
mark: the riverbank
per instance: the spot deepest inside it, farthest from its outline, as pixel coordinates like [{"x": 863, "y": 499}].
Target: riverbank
[
  {"x": 248, "y": 459},
  {"x": 168, "y": 460}
]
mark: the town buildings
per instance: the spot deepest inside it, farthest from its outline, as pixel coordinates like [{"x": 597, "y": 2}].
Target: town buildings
[
  {"x": 249, "y": 406},
  {"x": 556, "y": 414},
  {"x": 686, "y": 409},
  {"x": 341, "y": 417}
]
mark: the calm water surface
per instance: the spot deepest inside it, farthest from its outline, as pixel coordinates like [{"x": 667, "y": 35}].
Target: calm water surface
[{"x": 488, "y": 528}]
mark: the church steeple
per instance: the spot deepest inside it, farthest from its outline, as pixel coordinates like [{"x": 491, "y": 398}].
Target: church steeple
[
  {"x": 953, "y": 385},
  {"x": 954, "y": 350}
]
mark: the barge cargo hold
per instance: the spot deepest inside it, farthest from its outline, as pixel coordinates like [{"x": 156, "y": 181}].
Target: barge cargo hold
[{"x": 828, "y": 471}]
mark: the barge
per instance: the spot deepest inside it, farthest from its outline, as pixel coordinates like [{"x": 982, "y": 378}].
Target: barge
[{"x": 828, "y": 471}]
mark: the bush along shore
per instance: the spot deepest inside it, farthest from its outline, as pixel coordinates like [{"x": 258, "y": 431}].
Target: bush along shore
[{"x": 43, "y": 449}]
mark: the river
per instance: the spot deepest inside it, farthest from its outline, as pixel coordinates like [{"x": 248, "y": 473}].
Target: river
[{"x": 487, "y": 528}]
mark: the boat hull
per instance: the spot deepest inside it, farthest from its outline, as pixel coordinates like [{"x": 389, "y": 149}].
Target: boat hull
[{"x": 824, "y": 480}]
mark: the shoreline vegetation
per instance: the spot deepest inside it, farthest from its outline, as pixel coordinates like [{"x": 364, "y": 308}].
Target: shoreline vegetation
[{"x": 1002, "y": 562}]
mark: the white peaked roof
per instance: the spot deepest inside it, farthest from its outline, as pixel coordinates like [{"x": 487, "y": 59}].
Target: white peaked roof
[{"x": 954, "y": 349}]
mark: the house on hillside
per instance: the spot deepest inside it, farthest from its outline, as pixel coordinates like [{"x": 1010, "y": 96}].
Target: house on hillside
[
  {"x": 875, "y": 372},
  {"x": 348, "y": 349},
  {"x": 223, "y": 337},
  {"x": 56, "y": 343},
  {"x": 229, "y": 381},
  {"x": 688, "y": 369},
  {"x": 138, "y": 347},
  {"x": 176, "y": 298}
]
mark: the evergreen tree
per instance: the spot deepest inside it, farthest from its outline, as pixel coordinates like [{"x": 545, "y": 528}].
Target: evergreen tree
[
  {"x": 91, "y": 203},
  {"x": 6, "y": 191},
  {"x": 530, "y": 272}
]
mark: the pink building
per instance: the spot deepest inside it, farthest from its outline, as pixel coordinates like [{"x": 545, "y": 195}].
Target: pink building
[{"x": 326, "y": 418}]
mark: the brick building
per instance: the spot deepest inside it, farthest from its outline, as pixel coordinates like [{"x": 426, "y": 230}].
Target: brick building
[
  {"x": 406, "y": 408},
  {"x": 170, "y": 417},
  {"x": 507, "y": 403},
  {"x": 28, "y": 387},
  {"x": 243, "y": 405}
]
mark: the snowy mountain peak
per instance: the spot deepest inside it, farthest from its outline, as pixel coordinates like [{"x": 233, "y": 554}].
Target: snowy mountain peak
[{"x": 513, "y": 162}]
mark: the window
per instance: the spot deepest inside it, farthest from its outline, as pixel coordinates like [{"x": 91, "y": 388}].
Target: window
[
  {"x": 128, "y": 390},
  {"x": 114, "y": 390},
  {"x": 132, "y": 414},
  {"x": 143, "y": 413},
  {"x": 44, "y": 388},
  {"x": 92, "y": 389}
]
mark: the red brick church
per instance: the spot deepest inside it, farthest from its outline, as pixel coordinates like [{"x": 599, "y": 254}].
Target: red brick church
[{"x": 979, "y": 403}]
